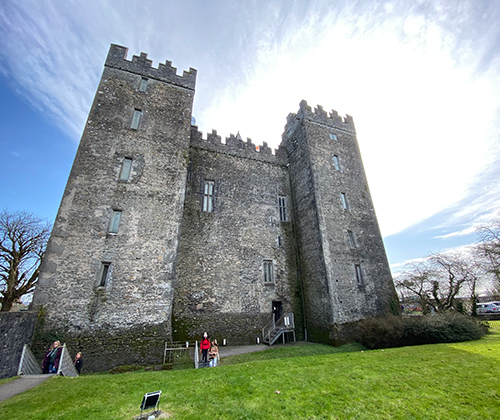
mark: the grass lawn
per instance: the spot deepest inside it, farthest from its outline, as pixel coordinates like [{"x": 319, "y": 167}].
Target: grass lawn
[{"x": 441, "y": 381}]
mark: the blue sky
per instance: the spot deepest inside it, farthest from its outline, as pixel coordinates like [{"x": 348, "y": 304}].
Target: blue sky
[{"x": 420, "y": 78}]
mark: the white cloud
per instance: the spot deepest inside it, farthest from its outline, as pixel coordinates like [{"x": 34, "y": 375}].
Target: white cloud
[{"x": 462, "y": 232}]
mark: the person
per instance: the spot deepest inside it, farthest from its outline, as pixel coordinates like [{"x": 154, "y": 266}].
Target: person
[
  {"x": 213, "y": 353},
  {"x": 204, "y": 347},
  {"x": 52, "y": 357},
  {"x": 78, "y": 362}
]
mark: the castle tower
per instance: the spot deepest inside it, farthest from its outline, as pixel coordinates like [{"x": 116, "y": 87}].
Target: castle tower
[
  {"x": 106, "y": 282},
  {"x": 343, "y": 265},
  {"x": 163, "y": 234}
]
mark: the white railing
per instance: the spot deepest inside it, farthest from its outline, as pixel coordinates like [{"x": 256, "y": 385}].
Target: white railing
[
  {"x": 66, "y": 366},
  {"x": 28, "y": 364}
]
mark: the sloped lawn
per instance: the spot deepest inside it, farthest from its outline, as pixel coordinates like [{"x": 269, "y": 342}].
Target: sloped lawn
[{"x": 440, "y": 381}]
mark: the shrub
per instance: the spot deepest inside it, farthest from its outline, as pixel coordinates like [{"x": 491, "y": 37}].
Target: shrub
[{"x": 395, "y": 331}]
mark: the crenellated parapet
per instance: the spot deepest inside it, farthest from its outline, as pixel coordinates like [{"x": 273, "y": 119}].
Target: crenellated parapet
[
  {"x": 236, "y": 146},
  {"x": 117, "y": 58},
  {"x": 320, "y": 116}
]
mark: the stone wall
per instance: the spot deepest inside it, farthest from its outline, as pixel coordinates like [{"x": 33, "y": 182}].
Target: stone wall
[
  {"x": 220, "y": 287},
  {"x": 16, "y": 330}
]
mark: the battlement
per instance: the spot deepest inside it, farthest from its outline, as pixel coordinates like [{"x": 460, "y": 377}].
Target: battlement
[
  {"x": 117, "y": 58},
  {"x": 237, "y": 147},
  {"x": 320, "y": 116}
]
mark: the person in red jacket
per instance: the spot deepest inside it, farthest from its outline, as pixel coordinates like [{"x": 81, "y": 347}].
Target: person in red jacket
[{"x": 204, "y": 347}]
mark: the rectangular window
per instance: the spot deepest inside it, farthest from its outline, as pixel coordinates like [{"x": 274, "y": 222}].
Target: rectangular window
[
  {"x": 115, "y": 221},
  {"x": 104, "y": 274},
  {"x": 282, "y": 207},
  {"x": 336, "y": 162},
  {"x": 144, "y": 85},
  {"x": 343, "y": 196},
  {"x": 332, "y": 136},
  {"x": 125, "y": 172},
  {"x": 208, "y": 197},
  {"x": 359, "y": 274},
  {"x": 350, "y": 236},
  {"x": 135, "y": 119},
  {"x": 268, "y": 271}
]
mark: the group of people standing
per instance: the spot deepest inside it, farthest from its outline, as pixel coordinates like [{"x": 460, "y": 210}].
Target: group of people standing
[
  {"x": 209, "y": 350},
  {"x": 52, "y": 359}
]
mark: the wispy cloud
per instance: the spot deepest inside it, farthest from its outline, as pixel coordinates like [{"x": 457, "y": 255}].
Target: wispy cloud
[{"x": 462, "y": 232}]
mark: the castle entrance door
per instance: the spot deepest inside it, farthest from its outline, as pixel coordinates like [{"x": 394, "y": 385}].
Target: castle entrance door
[{"x": 277, "y": 310}]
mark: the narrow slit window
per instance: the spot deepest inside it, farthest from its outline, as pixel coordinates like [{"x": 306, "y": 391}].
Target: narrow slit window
[
  {"x": 268, "y": 271},
  {"x": 345, "y": 205},
  {"x": 126, "y": 167},
  {"x": 282, "y": 207},
  {"x": 115, "y": 221},
  {"x": 104, "y": 274},
  {"x": 144, "y": 85},
  {"x": 208, "y": 197},
  {"x": 352, "y": 241},
  {"x": 336, "y": 162},
  {"x": 359, "y": 274},
  {"x": 135, "y": 119}
]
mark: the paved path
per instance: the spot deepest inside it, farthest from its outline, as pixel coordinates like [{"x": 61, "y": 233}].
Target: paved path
[
  {"x": 20, "y": 385},
  {"x": 27, "y": 382},
  {"x": 235, "y": 350}
]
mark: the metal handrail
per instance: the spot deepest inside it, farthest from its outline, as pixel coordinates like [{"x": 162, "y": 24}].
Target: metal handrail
[{"x": 286, "y": 322}]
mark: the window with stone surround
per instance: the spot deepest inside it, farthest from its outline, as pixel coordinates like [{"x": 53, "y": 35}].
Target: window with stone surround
[
  {"x": 332, "y": 136},
  {"x": 268, "y": 271},
  {"x": 208, "y": 197},
  {"x": 345, "y": 204},
  {"x": 352, "y": 241},
  {"x": 282, "y": 208},
  {"x": 135, "y": 119},
  {"x": 144, "y": 85},
  {"x": 115, "y": 221},
  {"x": 336, "y": 162},
  {"x": 125, "y": 171},
  {"x": 359, "y": 274},
  {"x": 105, "y": 268}
]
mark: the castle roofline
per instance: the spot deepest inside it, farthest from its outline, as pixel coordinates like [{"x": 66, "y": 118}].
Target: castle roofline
[
  {"x": 320, "y": 116},
  {"x": 117, "y": 58}
]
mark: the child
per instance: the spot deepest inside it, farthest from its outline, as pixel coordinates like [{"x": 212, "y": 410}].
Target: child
[{"x": 78, "y": 362}]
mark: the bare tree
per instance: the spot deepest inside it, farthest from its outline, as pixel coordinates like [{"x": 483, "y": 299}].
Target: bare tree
[
  {"x": 489, "y": 249},
  {"x": 439, "y": 279},
  {"x": 23, "y": 239}
]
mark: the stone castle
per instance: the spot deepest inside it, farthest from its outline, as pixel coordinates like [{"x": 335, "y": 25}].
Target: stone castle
[{"x": 163, "y": 234}]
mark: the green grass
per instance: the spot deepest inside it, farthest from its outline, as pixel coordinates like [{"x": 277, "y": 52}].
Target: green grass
[
  {"x": 6, "y": 380},
  {"x": 300, "y": 349},
  {"x": 440, "y": 381}
]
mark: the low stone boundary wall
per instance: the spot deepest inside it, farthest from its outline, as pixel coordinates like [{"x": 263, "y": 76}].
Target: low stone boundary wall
[{"x": 16, "y": 330}]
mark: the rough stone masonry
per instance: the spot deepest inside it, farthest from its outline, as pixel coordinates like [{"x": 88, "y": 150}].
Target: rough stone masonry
[{"x": 163, "y": 234}]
